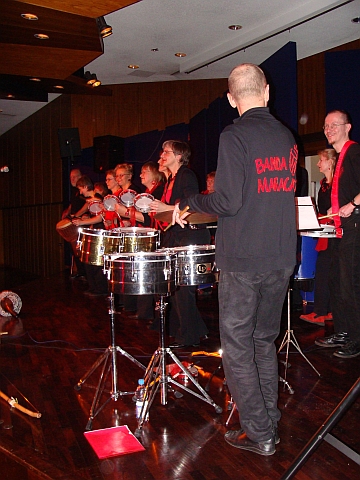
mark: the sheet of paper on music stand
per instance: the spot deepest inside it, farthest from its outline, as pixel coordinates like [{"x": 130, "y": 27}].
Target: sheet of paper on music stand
[
  {"x": 306, "y": 218},
  {"x": 113, "y": 441}
]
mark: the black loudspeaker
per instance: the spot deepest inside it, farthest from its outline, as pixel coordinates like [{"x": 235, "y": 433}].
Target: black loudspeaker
[
  {"x": 108, "y": 152},
  {"x": 69, "y": 142}
]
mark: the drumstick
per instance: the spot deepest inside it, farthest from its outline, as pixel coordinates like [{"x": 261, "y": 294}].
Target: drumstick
[
  {"x": 180, "y": 213},
  {"x": 328, "y": 216}
]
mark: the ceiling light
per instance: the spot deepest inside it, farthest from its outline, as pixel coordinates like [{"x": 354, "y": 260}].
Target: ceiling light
[
  {"x": 90, "y": 78},
  {"x": 104, "y": 29},
  {"x": 58, "y": 86},
  {"x": 29, "y": 16},
  {"x": 154, "y": 49},
  {"x": 134, "y": 67},
  {"x": 41, "y": 36},
  {"x": 180, "y": 54},
  {"x": 34, "y": 79},
  {"x": 356, "y": 20},
  {"x": 10, "y": 95},
  {"x": 234, "y": 27},
  {"x": 97, "y": 83}
]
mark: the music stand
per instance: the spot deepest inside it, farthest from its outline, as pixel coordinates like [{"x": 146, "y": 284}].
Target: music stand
[
  {"x": 156, "y": 376},
  {"x": 109, "y": 362},
  {"x": 306, "y": 219}
]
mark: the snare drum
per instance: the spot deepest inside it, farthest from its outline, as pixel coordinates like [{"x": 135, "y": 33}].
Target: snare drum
[
  {"x": 195, "y": 265},
  {"x": 94, "y": 244},
  {"x": 142, "y": 202},
  {"x": 127, "y": 197},
  {"x": 110, "y": 201},
  {"x": 67, "y": 230},
  {"x": 142, "y": 273},
  {"x": 138, "y": 239}
]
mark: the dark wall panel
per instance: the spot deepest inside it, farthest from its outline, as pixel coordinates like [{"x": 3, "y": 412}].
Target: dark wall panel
[
  {"x": 281, "y": 73},
  {"x": 343, "y": 85}
]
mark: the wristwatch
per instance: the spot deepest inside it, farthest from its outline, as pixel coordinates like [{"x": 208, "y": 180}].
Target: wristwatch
[{"x": 353, "y": 203}]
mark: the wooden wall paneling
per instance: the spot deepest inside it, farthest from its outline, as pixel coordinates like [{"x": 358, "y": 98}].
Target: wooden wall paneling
[
  {"x": 311, "y": 93},
  {"x": 127, "y": 98},
  {"x": 151, "y": 110}
]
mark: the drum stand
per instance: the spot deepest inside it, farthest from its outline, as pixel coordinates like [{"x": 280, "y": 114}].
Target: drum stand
[
  {"x": 156, "y": 376},
  {"x": 109, "y": 361},
  {"x": 290, "y": 338}
]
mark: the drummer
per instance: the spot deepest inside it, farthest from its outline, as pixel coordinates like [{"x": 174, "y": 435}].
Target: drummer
[
  {"x": 186, "y": 324},
  {"x": 94, "y": 273},
  {"x": 111, "y": 218},
  {"x": 123, "y": 176}
]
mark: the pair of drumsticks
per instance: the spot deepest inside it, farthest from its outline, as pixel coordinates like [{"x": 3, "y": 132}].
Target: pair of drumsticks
[{"x": 180, "y": 213}]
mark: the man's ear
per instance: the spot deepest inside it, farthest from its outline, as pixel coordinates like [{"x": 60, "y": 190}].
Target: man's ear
[
  {"x": 267, "y": 94},
  {"x": 231, "y": 100}
]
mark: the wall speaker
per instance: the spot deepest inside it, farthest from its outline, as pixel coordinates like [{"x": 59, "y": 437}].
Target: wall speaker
[
  {"x": 108, "y": 152},
  {"x": 69, "y": 142}
]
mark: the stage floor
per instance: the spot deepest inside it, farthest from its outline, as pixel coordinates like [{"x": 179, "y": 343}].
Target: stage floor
[{"x": 61, "y": 333}]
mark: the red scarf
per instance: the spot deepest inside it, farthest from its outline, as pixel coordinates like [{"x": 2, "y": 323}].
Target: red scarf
[{"x": 335, "y": 189}]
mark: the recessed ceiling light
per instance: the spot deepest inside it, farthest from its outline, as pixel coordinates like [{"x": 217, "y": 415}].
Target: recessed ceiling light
[
  {"x": 58, "y": 86},
  {"x": 10, "y": 95},
  {"x": 234, "y": 27},
  {"x": 34, "y": 79},
  {"x": 134, "y": 67},
  {"x": 356, "y": 20},
  {"x": 41, "y": 36},
  {"x": 180, "y": 54},
  {"x": 154, "y": 49},
  {"x": 29, "y": 16}
]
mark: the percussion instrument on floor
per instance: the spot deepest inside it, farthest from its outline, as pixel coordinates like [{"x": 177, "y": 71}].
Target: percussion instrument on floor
[
  {"x": 142, "y": 202},
  {"x": 93, "y": 244},
  {"x": 195, "y": 265},
  {"x": 138, "y": 239},
  {"x": 141, "y": 273},
  {"x": 110, "y": 201},
  {"x": 96, "y": 207},
  {"x": 67, "y": 230}
]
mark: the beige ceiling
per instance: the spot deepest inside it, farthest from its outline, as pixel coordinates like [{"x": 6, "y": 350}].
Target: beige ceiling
[{"x": 199, "y": 28}]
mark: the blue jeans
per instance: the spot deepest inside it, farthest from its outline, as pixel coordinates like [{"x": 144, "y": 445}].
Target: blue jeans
[{"x": 250, "y": 306}]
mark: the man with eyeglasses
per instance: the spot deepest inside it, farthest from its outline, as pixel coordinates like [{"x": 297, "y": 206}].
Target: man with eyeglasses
[{"x": 344, "y": 279}]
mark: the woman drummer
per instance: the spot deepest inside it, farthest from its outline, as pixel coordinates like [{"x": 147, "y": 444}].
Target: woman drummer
[{"x": 186, "y": 323}]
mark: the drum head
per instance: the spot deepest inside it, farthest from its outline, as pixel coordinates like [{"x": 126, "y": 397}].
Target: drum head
[
  {"x": 95, "y": 207},
  {"x": 127, "y": 197},
  {"x": 110, "y": 201},
  {"x": 142, "y": 202},
  {"x": 136, "y": 231}
]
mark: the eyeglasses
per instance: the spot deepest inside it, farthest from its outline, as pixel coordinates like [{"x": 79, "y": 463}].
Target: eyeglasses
[
  {"x": 168, "y": 151},
  {"x": 122, "y": 175},
  {"x": 333, "y": 126},
  {"x": 108, "y": 179}
]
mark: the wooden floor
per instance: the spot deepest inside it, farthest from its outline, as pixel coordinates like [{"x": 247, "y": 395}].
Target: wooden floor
[{"x": 61, "y": 333}]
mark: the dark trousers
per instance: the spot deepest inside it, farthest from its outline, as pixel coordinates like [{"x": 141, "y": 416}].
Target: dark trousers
[
  {"x": 250, "y": 307},
  {"x": 345, "y": 283},
  {"x": 185, "y": 321},
  {"x": 96, "y": 278}
]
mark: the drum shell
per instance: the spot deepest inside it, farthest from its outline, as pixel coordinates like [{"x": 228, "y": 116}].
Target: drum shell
[
  {"x": 67, "y": 230},
  {"x": 138, "y": 239},
  {"x": 195, "y": 265},
  {"x": 93, "y": 244},
  {"x": 142, "y": 273}
]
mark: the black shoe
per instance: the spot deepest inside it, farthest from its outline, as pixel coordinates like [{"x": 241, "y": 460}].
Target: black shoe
[
  {"x": 239, "y": 439},
  {"x": 275, "y": 430},
  {"x": 350, "y": 350},
  {"x": 334, "y": 340}
]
